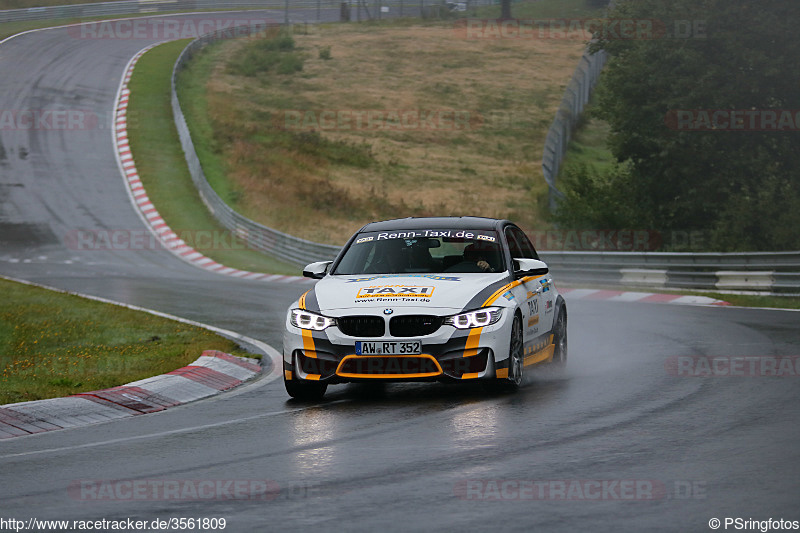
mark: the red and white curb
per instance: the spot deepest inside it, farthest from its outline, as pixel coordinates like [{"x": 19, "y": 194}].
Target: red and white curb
[
  {"x": 211, "y": 374},
  {"x": 629, "y": 296},
  {"x": 145, "y": 208}
]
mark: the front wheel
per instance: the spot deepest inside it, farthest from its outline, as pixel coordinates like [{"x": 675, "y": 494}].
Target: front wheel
[
  {"x": 305, "y": 390},
  {"x": 560, "y": 340},
  {"x": 516, "y": 362}
]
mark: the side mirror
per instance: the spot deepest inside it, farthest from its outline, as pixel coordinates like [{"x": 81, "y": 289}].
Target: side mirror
[
  {"x": 317, "y": 270},
  {"x": 529, "y": 267}
]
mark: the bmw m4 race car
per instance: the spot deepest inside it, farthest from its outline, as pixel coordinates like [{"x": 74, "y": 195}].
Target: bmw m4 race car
[{"x": 416, "y": 299}]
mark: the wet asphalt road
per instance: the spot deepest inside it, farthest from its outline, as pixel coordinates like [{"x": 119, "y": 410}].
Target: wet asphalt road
[{"x": 401, "y": 457}]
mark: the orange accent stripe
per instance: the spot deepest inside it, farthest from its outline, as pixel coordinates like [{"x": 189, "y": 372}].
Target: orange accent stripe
[
  {"x": 313, "y": 377},
  {"x": 388, "y": 376},
  {"x": 473, "y": 341},
  {"x": 308, "y": 344},
  {"x": 545, "y": 354},
  {"x": 474, "y": 337},
  {"x": 302, "y": 302},
  {"x": 287, "y": 374},
  {"x": 503, "y": 372},
  {"x": 471, "y": 375},
  {"x": 496, "y": 294},
  {"x": 507, "y": 287},
  {"x": 308, "y": 339}
]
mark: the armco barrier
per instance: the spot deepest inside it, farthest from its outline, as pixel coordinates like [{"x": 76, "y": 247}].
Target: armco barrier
[
  {"x": 770, "y": 272},
  {"x": 576, "y": 96},
  {"x": 292, "y": 249},
  {"x": 130, "y": 7},
  {"x": 366, "y": 9}
]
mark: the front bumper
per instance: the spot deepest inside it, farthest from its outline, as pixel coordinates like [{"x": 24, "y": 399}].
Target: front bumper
[{"x": 449, "y": 354}]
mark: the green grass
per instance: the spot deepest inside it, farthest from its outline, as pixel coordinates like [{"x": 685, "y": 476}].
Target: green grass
[
  {"x": 162, "y": 167},
  {"x": 752, "y": 300},
  {"x": 54, "y": 344},
  {"x": 589, "y": 146}
]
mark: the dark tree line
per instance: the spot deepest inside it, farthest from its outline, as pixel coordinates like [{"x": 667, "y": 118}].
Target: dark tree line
[{"x": 704, "y": 113}]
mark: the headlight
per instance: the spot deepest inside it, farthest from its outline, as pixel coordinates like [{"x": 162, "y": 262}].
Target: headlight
[
  {"x": 307, "y": 320},
  {"x": 475, "y": 319}
]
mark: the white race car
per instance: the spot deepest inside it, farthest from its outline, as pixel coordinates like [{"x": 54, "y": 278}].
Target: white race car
[{"x": 416, "y": 299}]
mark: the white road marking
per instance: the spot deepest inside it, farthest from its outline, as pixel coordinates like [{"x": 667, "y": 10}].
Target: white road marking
[{"x": 166, "y": 433}]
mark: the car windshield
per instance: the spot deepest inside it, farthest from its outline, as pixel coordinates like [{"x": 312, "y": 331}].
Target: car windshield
[{"x": 423, "y": 251}]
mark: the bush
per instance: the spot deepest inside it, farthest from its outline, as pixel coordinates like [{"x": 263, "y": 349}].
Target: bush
[
  {"x": 269, "y": 55},
  {"x": 290, "y": 63},
  {"x": 597, "y": 200}
]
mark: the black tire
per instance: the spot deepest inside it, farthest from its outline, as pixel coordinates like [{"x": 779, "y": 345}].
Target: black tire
[
  {"x": 305, "y": 390},
  {"x": 516, "y": 357},
  {"x": 560, "y": 340}
]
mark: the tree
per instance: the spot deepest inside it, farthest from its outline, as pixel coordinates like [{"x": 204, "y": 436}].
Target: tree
[{"x": 723, "y": 55}]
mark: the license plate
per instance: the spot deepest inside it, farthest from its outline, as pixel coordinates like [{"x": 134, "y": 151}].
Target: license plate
[{"x": 388, "y": 348}]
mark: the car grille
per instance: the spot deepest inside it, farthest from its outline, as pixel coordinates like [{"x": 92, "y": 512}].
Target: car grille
[
  {"x": 422, "y": 366},
  {"x": 414, "y": 325},
  {"x": 362, "y": 326}
]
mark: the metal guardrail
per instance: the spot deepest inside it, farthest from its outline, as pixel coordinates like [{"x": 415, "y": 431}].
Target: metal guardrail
[
  {"x": 292, "y": 249},
  {"x": 577, "y": 95},
  {"x": 129, "y": 7},
  {"x": 358, "y": 8},
  {"x": 770, "y": 272}
]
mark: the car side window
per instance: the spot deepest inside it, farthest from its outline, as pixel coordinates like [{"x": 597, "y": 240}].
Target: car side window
[
  {"x": 519, "y": 244},
  {"x": 526, "y": 244},
  {"x": 513, "y": 246}
]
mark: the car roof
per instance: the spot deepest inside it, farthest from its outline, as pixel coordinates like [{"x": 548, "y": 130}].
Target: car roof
[{"x": 476, "y": 223}]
